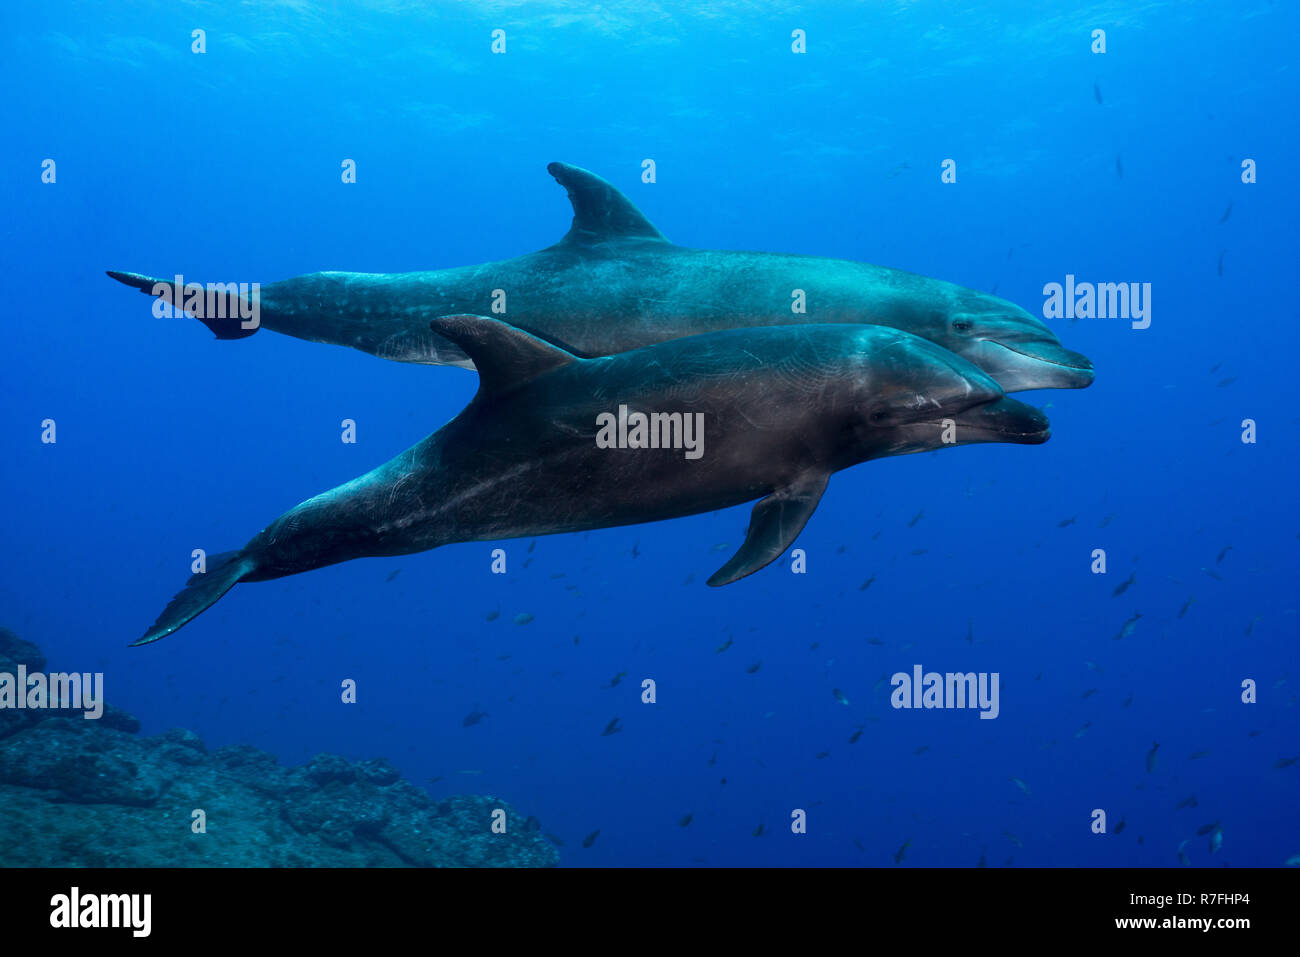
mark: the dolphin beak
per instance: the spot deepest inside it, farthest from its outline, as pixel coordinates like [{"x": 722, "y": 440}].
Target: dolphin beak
[
  {"x": 1039, "y": 364},
  {"x": 1003, "y": 420}
]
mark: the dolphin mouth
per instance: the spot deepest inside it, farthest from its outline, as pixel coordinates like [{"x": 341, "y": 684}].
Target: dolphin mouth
[
  {"x": 1003, "y": 420},
  {"x": 1065, "y": 358}
]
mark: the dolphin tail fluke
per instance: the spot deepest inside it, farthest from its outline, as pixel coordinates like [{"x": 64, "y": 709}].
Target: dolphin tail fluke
[
  {"x": 199, "y": 594},
  {"x": 226, "y": 323},
  {"x": 773, "y": 526}
]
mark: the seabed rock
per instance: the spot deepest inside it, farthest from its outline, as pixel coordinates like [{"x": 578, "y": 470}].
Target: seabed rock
[{"x": 79, "y": 793}]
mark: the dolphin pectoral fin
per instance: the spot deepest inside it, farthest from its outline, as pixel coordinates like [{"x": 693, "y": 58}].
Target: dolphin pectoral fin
[
  {"x": 227, "y": 324},
  {"x": 600, "y": 212},
  {"x": 199, "y": 594},
  {"x": 773, "y": 525},
  {"x": 503, "y": 355}
]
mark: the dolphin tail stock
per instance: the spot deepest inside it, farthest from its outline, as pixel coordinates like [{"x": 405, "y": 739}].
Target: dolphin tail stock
[
  {"x": 773, "y": 526},
  {"x": 200, "y": 593},
  {"x": 227, "y": 323}
]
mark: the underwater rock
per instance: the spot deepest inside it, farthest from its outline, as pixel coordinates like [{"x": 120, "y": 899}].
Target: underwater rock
[{"x": 93, "y": 793}]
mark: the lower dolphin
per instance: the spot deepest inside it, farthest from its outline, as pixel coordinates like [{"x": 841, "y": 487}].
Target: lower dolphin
[
  {"x": 547, "y": 445},
  {"x": 614, "y": 284}
]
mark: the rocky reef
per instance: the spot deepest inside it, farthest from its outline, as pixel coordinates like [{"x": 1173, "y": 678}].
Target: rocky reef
[{"x": 94, "y": 793}]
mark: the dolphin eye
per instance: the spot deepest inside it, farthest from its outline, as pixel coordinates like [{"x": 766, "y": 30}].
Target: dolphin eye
[{"x": 963, "y": 325}]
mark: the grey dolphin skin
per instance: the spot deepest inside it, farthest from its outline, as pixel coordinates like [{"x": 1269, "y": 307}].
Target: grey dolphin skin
[
  {"x": 733, "y": 416},
  {"x": 614, "y": 284}
]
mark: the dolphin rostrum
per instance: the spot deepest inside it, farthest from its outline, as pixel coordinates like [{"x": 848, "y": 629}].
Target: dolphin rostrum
[
  {"x": 553, "y": 443},
  {"x": 614, "y": 284}
]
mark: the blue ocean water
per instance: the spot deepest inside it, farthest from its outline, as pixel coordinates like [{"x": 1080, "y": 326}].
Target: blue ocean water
[{"x": 1117, "y": 167}]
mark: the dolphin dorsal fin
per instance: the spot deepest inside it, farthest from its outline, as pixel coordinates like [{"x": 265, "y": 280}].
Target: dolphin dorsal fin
[
  {"x": 503, "y": 355},
  {"x": 600, "y": 212}
]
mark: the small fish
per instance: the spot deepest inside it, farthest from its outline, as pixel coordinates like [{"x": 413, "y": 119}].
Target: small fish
[
  {"x": 1251, "y": 626},
  {"x": 1128, "y": 627},
  {"x": 1224, "y": 383},
  {"x": 922, "y": 749},
  {"x": 1119, "y": 828},
  {"x": 1186, "y": 605},
  {"x": 1066, "y": 522},
  {"x": 1089, "y": 693},
  {"x": 1205, "y": 829},
  {"x": 1221, "y": 254},
  {"x": 1196, "y": 755},
  {"x": 866, "y": 584},
  {"x": 1083, "y": 730},
  {"x": 724, "y": 646},
  {"x": 896, "y": 170},
  {"x": 1189, "y": 801},
  {"x": 823, "y": 754},
  {"x": 1213, "y": 574},
  {"x": 616, "y": 679},
  {"x": 839, "y": 696},
  {"x": 471, "y": 771},
  {"x": 758, "y": 831},
  {"x": 1292, "y": 861},
  {"x": 919, "y": 551},
  {"x": 435, "y": 780},
  {"x": 1013, "y": 839},
  {"x": 898, "y": 855},
  {"x": 636, "y": 552},
  {"x": 554, "y": 840},
  {"x": 612, "y": 728},
  {"x": 493, "y": 615},
  {"x": 590, "y": 839},
  {"x": 720, "y": 547},
  {"x": 1127, "y": 701},
  {"x": 523, "y": 618},
  {"x": 474, "y": 717},
  {"x": 753, "y": 669},
  {"x": 1106, "y": 521},
  {"x": 875, "y": 641},
  {"x": 531, "y": 546},
  {"x": 1119, "y": 167},
  {"x": 1285, "y": 762},
  {"x": 713, "y": 759},
  {"x": 1020, "y": 784},
  {"x": 1226, "y": 213},
  {"x": 853, "y": 738},
  {"x": 1151, "y": 757},
  {"x": 1182, "y": 856},
  {"x": 970, "y": 632},
  {"x": 1096, "y": 91},
  {"x": 685, "y": 821},
  {"x": 915, "y": 518},
  {"x": 1123, "y": 586},
  {"x": 983, "y": 861},
  {"x": 1092, "y": 666},
  {"x": 1222, "y": 554},
  {"x": 1216, "y": 840},
  {"x": 393, "y": 574}
]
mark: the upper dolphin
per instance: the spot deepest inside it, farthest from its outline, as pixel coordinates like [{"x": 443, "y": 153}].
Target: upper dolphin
[
  {"x": 614, "y": 283},
  {"x": 714, "y": 421}
]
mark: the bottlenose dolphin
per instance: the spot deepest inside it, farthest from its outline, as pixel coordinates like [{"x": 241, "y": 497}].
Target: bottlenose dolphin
[
  {"x": 614, "y": 283},
  {"x": 774, "y": 412}
]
